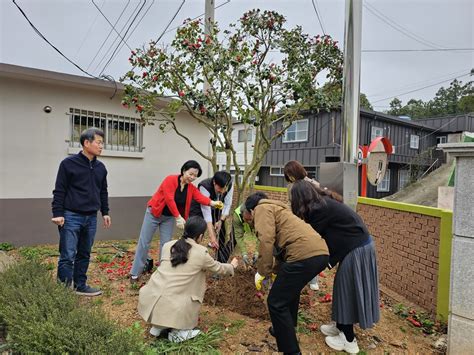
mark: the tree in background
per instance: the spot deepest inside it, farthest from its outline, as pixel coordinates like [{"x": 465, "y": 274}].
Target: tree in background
[
  {"x": 245, "y": 83},
  {"x": 456, "y": 99}
]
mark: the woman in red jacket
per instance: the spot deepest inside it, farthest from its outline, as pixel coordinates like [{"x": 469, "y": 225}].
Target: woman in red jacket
[{"x": 168, "y": 206}]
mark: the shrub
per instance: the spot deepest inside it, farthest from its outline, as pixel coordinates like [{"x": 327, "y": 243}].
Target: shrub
[
  {"x": 6, "y": 246},
  {"x": 42, "y": 316}
]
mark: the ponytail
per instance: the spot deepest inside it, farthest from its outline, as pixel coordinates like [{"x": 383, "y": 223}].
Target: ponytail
[
  {"x": 195, "y": 226},
  {"x": 180, "y": 251}
]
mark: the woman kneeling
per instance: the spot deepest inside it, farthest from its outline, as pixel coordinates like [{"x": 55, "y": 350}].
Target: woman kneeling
[{"x": 173, "y": 296}]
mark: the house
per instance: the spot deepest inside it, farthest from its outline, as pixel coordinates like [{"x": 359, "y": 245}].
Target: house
[
  {"x": 449, "y": 129},
  {"x": 316, "y": 138},
  {"x": 41, "y": 116}
]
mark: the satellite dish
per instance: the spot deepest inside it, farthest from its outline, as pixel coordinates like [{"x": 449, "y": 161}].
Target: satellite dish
[{"x": 377, "y": 159}]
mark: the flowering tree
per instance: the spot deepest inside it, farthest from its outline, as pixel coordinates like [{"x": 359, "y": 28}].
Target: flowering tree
[{"x": 222, "y": 79}]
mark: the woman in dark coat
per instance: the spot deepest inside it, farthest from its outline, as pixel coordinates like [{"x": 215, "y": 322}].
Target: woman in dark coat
[{"x": 355, "y": 293}]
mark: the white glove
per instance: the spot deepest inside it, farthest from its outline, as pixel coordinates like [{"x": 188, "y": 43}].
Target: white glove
[{"x": 180, "y": 222}]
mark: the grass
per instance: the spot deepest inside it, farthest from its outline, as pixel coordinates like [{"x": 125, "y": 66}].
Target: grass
[{"x": 206, "y": 342}]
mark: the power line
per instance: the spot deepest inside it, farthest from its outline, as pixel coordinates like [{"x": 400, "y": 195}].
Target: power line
[
  {"x": 425, "y": 87},
  {"x": 171, "y": 21},
  {"x": 398, "y": 27},
  {"x": 194, "y": 18},
  {"x": 53, "y": 46},
  {"x": 315, "y": 7},
  {"x": 417, "y": 50},
  {"x": 113, "y": 27},
  {"x": 108, "y": 35},
  {"x": 134, "y": 28},
  {"x": 88, "y": 31},
  {"x": 128, "y": 29},
  {"x": 115, "y": 40},
  {"x": 418, "y": 83}
]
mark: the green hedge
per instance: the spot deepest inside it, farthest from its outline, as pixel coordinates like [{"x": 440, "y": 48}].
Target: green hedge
[{"x": 42, "y": 316}]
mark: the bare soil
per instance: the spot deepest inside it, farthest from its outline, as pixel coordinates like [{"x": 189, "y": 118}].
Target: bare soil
[{"x": 233, "y": 304}]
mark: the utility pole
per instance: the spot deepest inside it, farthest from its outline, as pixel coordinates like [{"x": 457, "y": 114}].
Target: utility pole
[
  {"x": 208, "y": 20},
  {"x": 343, "y": 176}
]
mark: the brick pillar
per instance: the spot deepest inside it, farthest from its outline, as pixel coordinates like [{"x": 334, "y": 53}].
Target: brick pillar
[{"x": 461, "y": 307}]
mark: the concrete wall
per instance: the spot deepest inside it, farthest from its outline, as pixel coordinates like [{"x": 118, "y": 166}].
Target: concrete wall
[{"x": 33, "y": 143}]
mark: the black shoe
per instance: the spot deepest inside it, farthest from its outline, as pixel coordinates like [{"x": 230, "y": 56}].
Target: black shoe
[
  {"x": 271, "y": 331},
  {"x": 148, "y": 266},
  {"x": 88, "y": 291}
]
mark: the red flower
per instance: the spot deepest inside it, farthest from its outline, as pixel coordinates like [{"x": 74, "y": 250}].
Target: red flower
[
  {"x": 203, "y": 109},
  {"x": 181, "y": 93},
  {"x": 139, "y": 108},
  {"x": 109, "y": 271},
  {"x": 313, "y": 327},
  {"x": 155, "y": 78},
  {"x": 326, "y": 298},
  {"x": 145, "y": 74}
]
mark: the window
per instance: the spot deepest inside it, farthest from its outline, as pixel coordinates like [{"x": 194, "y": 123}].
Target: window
[
  {"x": 276, "y": 171},
  {"x": 441, "y": 139},
  {"x": 297, "y": 132},
  {"x": 121, "y": 133},
  {"x": 414, "y": 141},
  {"x": 376, "y": 132},
  {"x": 403, "y": 178},
  {"x": 311, "y": 170},
  {"x": 384, "y": 185},
  {"x": 245, "y": 135}
]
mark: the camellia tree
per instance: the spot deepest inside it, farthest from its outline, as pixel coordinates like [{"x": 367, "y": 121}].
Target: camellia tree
[{"x": 255, "y": 73}]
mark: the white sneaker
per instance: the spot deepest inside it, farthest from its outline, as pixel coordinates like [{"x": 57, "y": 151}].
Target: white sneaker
[
  {"x": 179, "y": 335},
  {"x": 314, "y": 286},
  {"x": 330, "y": 329},
  {"x": 340, "y": 343},
  {"x": 155, "y": 331}
]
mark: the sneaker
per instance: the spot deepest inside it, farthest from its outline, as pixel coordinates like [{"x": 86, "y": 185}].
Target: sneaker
[
  {"x": 88, "y": 291},
  {"x": 314, "y": 286},
  {"x": 340, "y": 343},
  {"x": 134, "y": 279},
  {"x": 330, "y": 329},
  {"x": 179, "y": 335},
  {"x": 155, "y": 331}
]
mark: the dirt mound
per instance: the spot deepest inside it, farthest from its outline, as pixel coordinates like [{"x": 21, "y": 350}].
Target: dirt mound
[
  {"x": 425, "y": 191},
  {"x": 237, "y": 294}
]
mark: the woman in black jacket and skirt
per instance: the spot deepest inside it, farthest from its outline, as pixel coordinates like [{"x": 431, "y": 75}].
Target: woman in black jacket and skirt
[{"x": 355, "y": 292}]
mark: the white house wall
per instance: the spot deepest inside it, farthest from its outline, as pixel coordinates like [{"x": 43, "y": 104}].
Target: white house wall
[{"x": 33, "y": 143}]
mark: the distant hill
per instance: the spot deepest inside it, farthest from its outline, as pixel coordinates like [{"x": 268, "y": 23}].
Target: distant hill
[{"x": 425, "y": 191}]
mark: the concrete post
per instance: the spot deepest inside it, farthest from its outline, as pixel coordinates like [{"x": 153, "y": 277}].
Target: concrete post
[{"x": 461, "y": 300}]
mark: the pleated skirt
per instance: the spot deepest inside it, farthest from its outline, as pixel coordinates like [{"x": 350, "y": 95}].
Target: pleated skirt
[{"x": 356, "y": 288}]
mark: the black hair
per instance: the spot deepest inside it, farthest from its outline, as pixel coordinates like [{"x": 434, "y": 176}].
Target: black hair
[
  {"x": 191, "y": 164},
  {"x": 223, "y": 179},
  {"x": 252, "y": 201},
  {"x": 89, "y": 134},
  {"x": 194, "y": 227},
  {"x": 304, "y": 195}
]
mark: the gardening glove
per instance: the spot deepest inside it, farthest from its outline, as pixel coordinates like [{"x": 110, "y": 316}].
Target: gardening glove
[
  {"x": 217, "y": 204},
  {"x": 180, "y": 222},
  {"x": 259, "y": 281},
  {"x": 245, "y": 259}
]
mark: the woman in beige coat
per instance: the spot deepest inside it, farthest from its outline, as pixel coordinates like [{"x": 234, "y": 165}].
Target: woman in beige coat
[{"x": 173, "y": 296}]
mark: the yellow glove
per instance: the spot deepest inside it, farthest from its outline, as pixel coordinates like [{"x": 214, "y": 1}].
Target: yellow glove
[
  {"x": 274, "y": 276},
  {"x": 258, "y": 281},
  {"x": 217, "y": 204}
]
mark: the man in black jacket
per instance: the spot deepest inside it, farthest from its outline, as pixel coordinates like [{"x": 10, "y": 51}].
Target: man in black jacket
[{"x": 80, "y": 191}]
